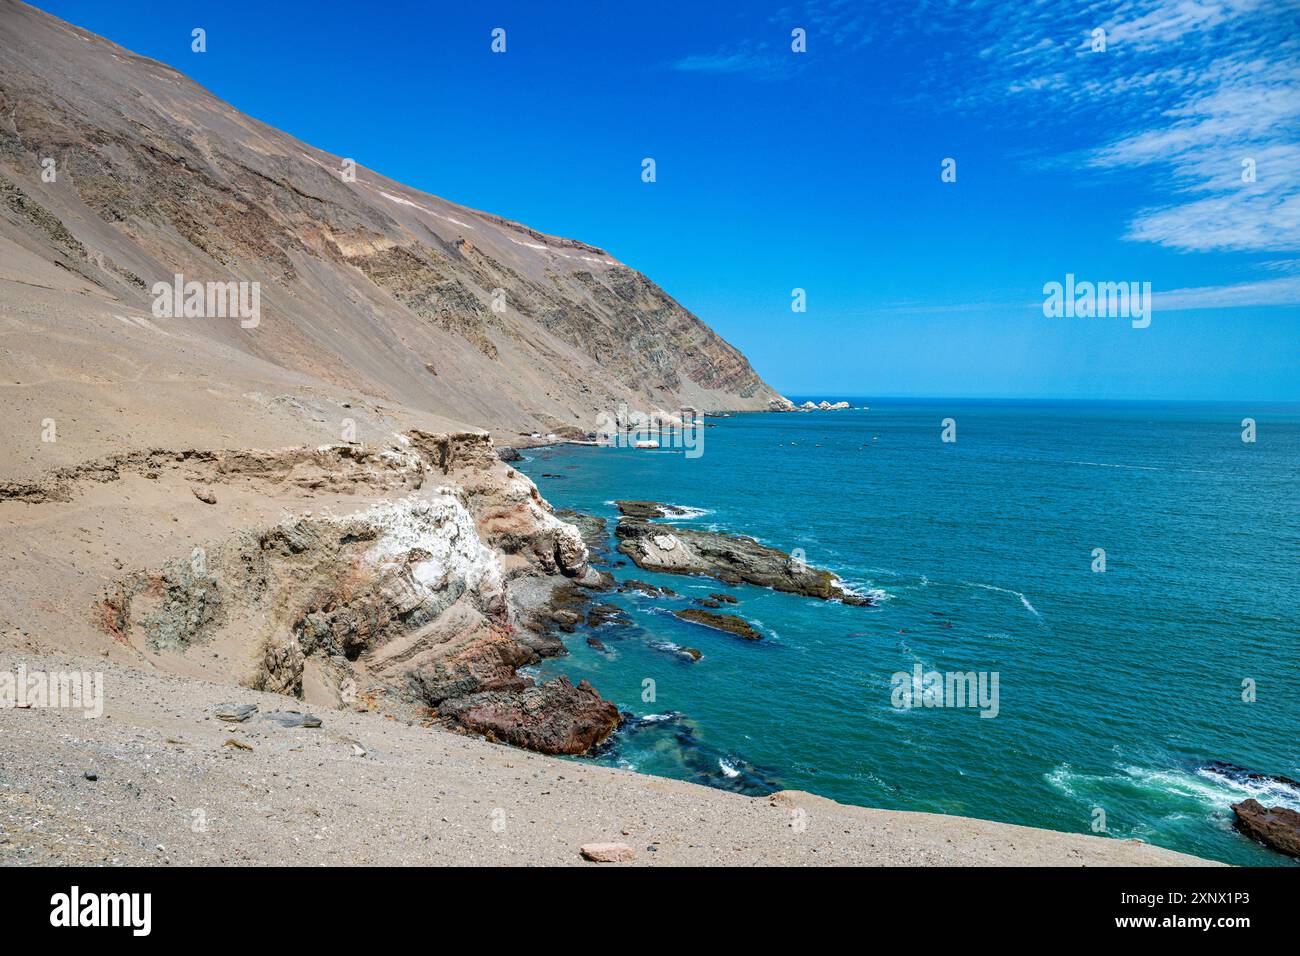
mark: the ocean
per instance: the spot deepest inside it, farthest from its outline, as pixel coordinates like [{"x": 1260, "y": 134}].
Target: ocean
[{"x": 1121, "y": 693}]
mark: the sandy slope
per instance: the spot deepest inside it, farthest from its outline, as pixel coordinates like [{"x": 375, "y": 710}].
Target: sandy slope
[
  {"x": 417, "y": 796},
  {"x": 365, "y": 283}
]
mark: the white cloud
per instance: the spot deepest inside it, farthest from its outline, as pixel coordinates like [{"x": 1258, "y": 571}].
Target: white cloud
[{"x": 1266, "y": 292}]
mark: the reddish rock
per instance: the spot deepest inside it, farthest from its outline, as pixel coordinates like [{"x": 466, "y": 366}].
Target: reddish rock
[
  {"x": 608, "y": 852},
  {"x": 551, "y": 718},
  {"x": 1275, "y": 827}
]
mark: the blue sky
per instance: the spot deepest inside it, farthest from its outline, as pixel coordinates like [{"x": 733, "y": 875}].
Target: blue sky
[{"x": 821, "y": 170}]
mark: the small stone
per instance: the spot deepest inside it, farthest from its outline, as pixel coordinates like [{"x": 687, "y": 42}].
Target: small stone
[
  {"x": 608, "y": 852},
  {"x": 204, "y": 495},
  {"x": 234, "y": 713},
  {"x": 91, "y": 775}
]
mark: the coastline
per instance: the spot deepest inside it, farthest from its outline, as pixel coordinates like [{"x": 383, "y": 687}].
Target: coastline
[
  {"x": 363, "y": 790},
  {"x": 1175, "y": 796}
]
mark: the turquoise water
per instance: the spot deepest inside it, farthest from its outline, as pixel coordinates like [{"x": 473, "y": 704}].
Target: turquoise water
[{"x": 1116, "y": 689}]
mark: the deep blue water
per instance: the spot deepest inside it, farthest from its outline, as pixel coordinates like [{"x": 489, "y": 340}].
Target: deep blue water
[{"x": 1116, "y": 689}]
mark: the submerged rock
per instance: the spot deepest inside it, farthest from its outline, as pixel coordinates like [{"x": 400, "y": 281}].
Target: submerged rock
[
  {"x": 1275, "y": 827},
  {"x": 606, "y": 614},
  {"x": 729, "y": 558},
  {"x": 720, "y": 622},
  {"x": 649, "y": 590}
]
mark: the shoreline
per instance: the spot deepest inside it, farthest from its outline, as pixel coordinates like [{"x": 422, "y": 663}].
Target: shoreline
[{"x": 363, "y": 790}]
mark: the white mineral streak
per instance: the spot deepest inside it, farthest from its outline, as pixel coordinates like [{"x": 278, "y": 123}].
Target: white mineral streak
[{"x": 439, "y": 524}]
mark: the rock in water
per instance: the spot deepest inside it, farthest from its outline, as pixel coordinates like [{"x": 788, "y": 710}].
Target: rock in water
[
  {"x": 1275, "y": 827},
  {"x": 606, "y": 614},
  {"x": 729, "y": 558},
  {"x": 720, "y": 622},
  {"x": 608, "y": 852},
  {"x": 649, "y": 509}
]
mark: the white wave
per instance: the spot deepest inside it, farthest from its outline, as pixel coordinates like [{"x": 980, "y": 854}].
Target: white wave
[
  {"x": 1211, "y": 788},
  {"x": 862, "y": 590},
  {"x": 686, "y": 512},
  {"x": 993, "y": 587},
  {"x": 727, "y": 768},
  {"x": 1103, "y": 464}
]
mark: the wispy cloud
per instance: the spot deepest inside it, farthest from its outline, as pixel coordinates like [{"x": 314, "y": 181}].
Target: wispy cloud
[
  {"x": 739, "y": 61},
  {"x": 1201, "y": 98}
]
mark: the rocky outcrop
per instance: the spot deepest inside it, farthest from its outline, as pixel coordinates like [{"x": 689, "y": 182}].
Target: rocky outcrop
[
  {"x": 729, "y": 558},
  {"x": 1275, "y": 827},
  {"x": 593, "y": 530},
  {"x": 649, "y": 590},
  {"x": 720, "y": 622},
  {"x": 412, "y": 605},
  {"x": 649, "y": 509},
  {"x": 553, "y": 718}
]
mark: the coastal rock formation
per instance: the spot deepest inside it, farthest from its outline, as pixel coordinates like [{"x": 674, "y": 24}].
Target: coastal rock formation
[
  {"x": 649, "y": 509},
  {"x": 553, "y": 718},
  {"x": 592, "y": 528},
  {"x": 1275, "y": 827},
  {"x": 720, "y": 622},
  {"x": 422, "y": 602},
  {"x": 649, "y": 590},
  {"x": 729, "y": 558}
]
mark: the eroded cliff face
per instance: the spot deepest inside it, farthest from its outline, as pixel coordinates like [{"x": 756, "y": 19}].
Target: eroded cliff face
[
  {"x": 365, "y": 283},
  {"x": 421, "y": 604}
]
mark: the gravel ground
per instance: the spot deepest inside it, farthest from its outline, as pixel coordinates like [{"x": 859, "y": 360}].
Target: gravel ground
[{"x": 169, "y": 788}]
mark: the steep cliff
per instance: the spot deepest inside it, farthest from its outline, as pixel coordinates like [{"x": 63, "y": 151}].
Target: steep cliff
[{"x": 364, "y": 283}]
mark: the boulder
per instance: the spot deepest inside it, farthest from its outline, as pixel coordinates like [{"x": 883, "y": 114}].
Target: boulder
[
  {"x": 720, "y": 622},
  {"x": 551, "y": 718},
  {"x": 649, "y": 509},
  {"x": 1275, "y": 827},
  {"x": 234, "y": 713}
]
